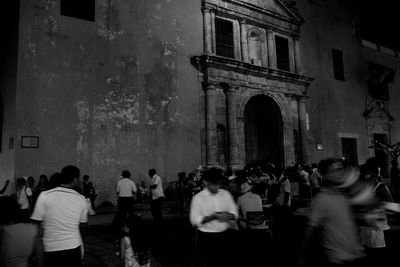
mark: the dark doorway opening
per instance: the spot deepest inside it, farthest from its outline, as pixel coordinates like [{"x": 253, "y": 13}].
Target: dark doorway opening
[
  {"x": 349, "y": 150},
  {"x": 380, "y": 155},
  {"x": 263, "y": 131}
]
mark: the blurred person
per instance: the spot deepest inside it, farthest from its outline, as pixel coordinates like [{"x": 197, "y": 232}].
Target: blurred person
[
  {"x": 31, "y": 182},
  {"x": 332, "y": 220},
  {"x": 19, "y": 246},
  {"x": 211, "y": 211},
  {"x": 157, "y": 196},
  {"x": 24, "y": 198},
  {"x": 134, "y": 248},
  {"x": 89, "y": 193},
  {"x": 62, "y": 212},
  {"x": 315, "y": 179},
  {"x": 376, "y": 234}
]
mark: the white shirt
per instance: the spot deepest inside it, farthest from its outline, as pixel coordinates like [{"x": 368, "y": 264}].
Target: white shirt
[
  {"x": 205, "y": 204},
  {"x": 158, "y": 191},
  {"x": 126, "y": 187},
  {"x": 60, "y": 210},
  {"x": 284, "y": 188}
]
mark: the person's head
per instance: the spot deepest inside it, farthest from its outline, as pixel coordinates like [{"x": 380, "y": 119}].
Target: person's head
[
  {"x": 70, "y": 175},
  {"x": 43, "y": 181},
  {"x": 55, "y": 180},
  {"x": 152, "y": 172},
  {"x": 126, "y": 174},
  {"x": 142, "y": 183},
  {"x": 245, "y": 187},
  {"x": 334, "y": 171},
  {"x": 214, "y": 179},
  {"x": 9, "y": 207},
  {"x": 31, "y": 181},
  {"x": 20, "y": 182},
  {"x": 85, "y": 178},
  {"x": 372, "y": 167}
]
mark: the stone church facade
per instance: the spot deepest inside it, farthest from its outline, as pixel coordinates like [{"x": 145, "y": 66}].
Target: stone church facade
[{"x": 174, "y": 84}]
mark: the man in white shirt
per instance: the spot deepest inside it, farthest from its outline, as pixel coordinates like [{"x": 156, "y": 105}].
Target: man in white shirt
[
  {"x": 61, "y": 211},
  {"x": 157, "y": 195},
  {"x": 211, "y": 212},
  {"x": 125, "y": 190}
]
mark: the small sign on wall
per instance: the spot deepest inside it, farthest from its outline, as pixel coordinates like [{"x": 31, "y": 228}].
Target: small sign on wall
[{"x": 29, "y": 141}]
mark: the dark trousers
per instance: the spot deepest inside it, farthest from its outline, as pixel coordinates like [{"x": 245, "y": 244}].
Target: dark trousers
[
  {"x": 219, "y": 249},
  {"x": 63, "y": 258},
  {"x": 156, "y": 209},
  {"x": 124, "y": 211}
]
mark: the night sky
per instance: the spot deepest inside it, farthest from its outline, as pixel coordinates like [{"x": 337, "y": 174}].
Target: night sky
[{"x": 380, "y": 21}]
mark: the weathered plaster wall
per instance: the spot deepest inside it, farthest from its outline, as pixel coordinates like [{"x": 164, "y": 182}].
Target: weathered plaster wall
[
  {"x": 118, "y": 93},
  {"x": 334, "y": 106},
  {"x": 8, "y": 83}
]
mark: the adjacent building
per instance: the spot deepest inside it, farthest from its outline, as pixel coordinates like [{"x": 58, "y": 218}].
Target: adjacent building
[{"x": 109, "y": 85}]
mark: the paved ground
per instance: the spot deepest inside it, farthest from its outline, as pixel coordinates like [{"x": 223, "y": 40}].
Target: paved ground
[
  {"x": 173, "y": 245},
  {"x": 170, "y": 247}
]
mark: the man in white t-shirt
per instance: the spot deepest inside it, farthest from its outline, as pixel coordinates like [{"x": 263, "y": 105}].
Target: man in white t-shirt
[
  {"x": 125, "y": 190},
  {"x": 212, "y": 211},
  {"x": 61, "y": 211},
  {"x": 157, "y": 195}
]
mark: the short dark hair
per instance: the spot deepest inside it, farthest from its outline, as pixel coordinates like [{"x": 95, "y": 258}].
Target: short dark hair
[
  {"x": 85, "y": 177},
  {"x": 55, "y": 180},
  {"x": 126, "y": 174},
  {"x": 214, "y": 175},
  {"x": 152, "y": 172},
  {"x": 69, "y": 174}
]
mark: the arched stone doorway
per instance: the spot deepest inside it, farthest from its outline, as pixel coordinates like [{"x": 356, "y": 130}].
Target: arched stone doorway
[{"x": 263, "y": 130}]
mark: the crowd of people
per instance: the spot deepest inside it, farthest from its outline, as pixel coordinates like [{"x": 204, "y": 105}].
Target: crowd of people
[
  {"x": 347, "y": 225},
  {"x": 347, "y": 222}
]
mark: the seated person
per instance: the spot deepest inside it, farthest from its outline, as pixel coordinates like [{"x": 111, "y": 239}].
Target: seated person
[{"x": 248, "y": 201}]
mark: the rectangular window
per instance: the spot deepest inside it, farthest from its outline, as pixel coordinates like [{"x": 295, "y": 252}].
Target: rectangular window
[
  {"x": 224, "y": 38},
  {"x": 282, "y": 53},
  {"x": 338, "y": 67},
  {"x": 349, "y": 150},
  {"x": 80, "y": 9}
]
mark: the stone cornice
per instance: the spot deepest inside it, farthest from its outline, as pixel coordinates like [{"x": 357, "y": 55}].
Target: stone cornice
[
  {"x": 258, "y": 15},
  {"x": 205, "y": 62}
]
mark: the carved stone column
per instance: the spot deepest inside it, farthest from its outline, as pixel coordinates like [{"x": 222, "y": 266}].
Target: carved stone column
[
  {"x": 232, "y": 125},
  {"x": 302, "y": 129},
  {"x": 211, "y": 125},
  {"x": 271, "y": 49},
  {"x": 297, "y": 56},
  {"x": 207, "y": 31},
  {"x": 243, "y": 41}
]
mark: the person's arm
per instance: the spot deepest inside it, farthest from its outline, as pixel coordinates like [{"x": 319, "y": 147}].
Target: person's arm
[
  {"x": 154, "y": 184},
  {"x": 4, "y": 187},
  {"x": 38, "y": 249},
  {"x": 83, "y": 219},
  {"x": 134, "y": 189},
  {"x": 122, "y": 247}
]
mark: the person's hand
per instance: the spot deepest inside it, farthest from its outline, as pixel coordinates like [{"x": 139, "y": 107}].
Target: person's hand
[{"x": 224, "y": 216}]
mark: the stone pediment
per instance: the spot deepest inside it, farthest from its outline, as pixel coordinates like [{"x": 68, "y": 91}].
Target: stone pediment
[
  {"x": 273, "y": 13},
  {"x": 377, "y": 110},
  {"x": 274, "y": 6}
]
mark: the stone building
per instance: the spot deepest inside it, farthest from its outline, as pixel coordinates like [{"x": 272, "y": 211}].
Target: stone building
[{"x": 171, "y": 84}]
